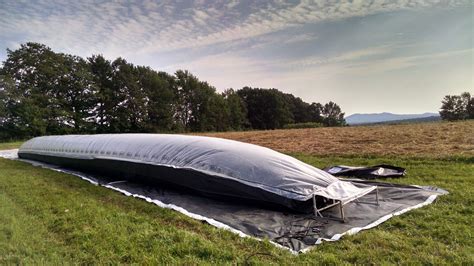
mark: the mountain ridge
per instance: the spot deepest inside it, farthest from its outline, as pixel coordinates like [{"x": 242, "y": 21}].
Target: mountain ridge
[{"x": 366, "y": 118}]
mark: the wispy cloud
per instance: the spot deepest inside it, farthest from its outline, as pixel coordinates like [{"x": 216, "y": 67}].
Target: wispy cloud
[
  {"x": 229, "y": 70},
  {"x": 149, "y": 27},
  {"x": 404, "y": 62},
  {"x": 346, "y": 57}
]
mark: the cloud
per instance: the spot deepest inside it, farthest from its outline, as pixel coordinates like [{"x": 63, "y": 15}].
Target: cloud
[
  {"x": 228, "y": 64},
  {"x": 119, "y": 28},
  {"x": 394, "y": 63},
  {"x": 227, "y": 70},
  {"x": 349, "y": 56}
]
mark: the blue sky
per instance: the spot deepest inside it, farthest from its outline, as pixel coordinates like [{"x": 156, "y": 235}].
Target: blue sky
[{"x": 368, "y": 56}]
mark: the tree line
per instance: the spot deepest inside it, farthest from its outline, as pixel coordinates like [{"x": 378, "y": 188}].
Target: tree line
[
  {"x": 43, "y": 92},
  {"x": 457, "y": 107}
]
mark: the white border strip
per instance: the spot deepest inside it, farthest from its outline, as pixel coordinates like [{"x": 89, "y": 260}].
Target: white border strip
[{"x": 382, "y": 219}]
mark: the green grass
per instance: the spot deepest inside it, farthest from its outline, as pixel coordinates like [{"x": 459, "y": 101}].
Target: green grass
[
  {"x": 49, "y": 217},
  {"x": 10, "y": 145}
]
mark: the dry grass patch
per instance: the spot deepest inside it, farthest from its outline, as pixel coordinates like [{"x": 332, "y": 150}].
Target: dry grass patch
[{"x": 439, "y": 139}]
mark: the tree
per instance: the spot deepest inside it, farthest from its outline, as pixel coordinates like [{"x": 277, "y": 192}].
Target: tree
[
  {"x": 186, "y": 84},
  {"x": 333, "y": 116},
  {"x": 237, "y": 111},
  {"x": 315, "y": 110},
  {"x": 267, "y": 108},
  {"x": 106, "y": 97},
  {"x": 300, "y": 110},
  {"x": 75, "y": 93},
  {"x": 43, "y": 92},
  {"x": 160, "y": 94},
  {"x": 217, "y": 114},
  {"x": 6, "y": 88},
  {"x": 469, "y": 105},
  {"x": 35, "y": 70},
  {"x": 201, "y": 107},
  {"x": 198, "y": 104},
  {"x": 457, "y": 107},
  {"x": 49, "y": 93}
]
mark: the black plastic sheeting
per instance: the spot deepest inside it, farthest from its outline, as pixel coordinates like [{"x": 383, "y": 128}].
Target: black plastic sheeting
[
  {"x": 292, "y": 230},
  {"x": 295, "y": 231},
  {"x": 366, "y": 172}
]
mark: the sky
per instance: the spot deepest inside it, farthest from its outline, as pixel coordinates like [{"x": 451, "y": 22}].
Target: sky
[{"x": 366, "y": 55}]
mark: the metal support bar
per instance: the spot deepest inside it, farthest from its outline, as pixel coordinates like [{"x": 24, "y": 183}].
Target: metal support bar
[
  {"x": 341, "y": 209},
  {"x": 317, "y": 211},
  {"x": 376, "y": 198}
]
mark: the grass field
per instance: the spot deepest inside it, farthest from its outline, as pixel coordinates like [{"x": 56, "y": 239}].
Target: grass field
[
  {"x": 437, "y": 139},
  {"x": 49, "y": 217}
]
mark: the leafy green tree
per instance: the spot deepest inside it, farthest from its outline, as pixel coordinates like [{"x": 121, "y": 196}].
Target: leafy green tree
[
  {"x": 7, "y": 87},
  {"x": 457, "y": 107},
  {"x": 217, "y": 116},
  {"x": 469, "y": 104},
  {"x": 186, "y": 85},
  {"x": 267, "y": 108},
  {"x": 121, "y": 95},
  {"x": 300, "y": 110},
  {"x": 199, "y": 108},
  {"x": 160, "y": 94},
  {"x": 205, "y": 108},
  {"x": 51, "y": 93},
  {"x": 315, "y": 110},
  {"x": 333, "y": 116},
  {"x": 237, "y": 111},
  {"x": 43, "y": 92},
  {"x": 131, "y": 98},
  {"x": 75, "y": 93},
  {"x": 130, "y": 111},
  {"x": 449, "y": 108},
  {"x": 34, "y": 109},
  {"x": 106, "y": 97}
]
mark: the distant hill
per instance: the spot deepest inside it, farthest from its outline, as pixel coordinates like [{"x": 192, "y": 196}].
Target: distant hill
[
  {"x": 404, "y": 121},
  {"x": 388, "y": 117}
]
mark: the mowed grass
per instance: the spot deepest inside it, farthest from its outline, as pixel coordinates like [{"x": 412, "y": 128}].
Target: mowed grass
[
  {"x": 436, "y": 139},
  {"x": 49, "y": 217}
]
